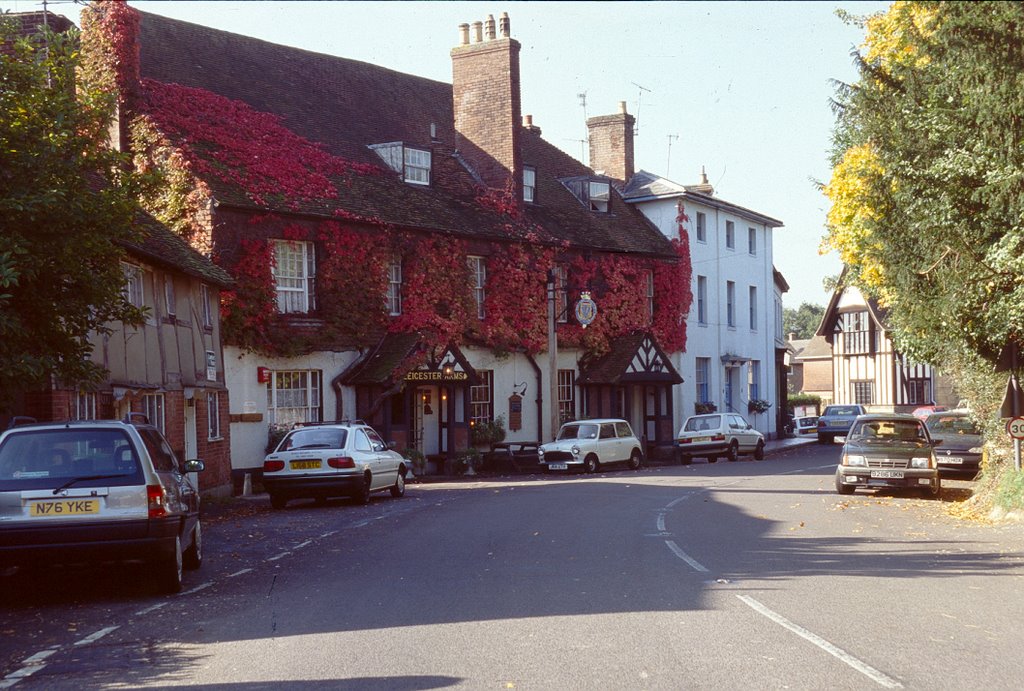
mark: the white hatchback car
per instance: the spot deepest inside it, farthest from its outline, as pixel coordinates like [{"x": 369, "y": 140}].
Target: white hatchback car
[
  {"x": 331, "y": 459},
  {"x": 590, "y": 444},
  {"x": 718, "y": 434}
]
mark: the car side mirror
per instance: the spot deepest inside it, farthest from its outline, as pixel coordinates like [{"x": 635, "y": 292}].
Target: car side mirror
[
  {"x": 194, "y": 465},
  {"x": 936, "y": 442}
]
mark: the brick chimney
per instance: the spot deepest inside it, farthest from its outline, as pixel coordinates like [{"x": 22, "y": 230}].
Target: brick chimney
[
  {"x": 486, "y": 102},
  {"x": 611, "y": 144}
]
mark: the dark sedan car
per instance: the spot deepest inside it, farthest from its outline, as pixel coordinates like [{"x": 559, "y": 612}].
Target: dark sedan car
[
  {"x": 960, "y": 448},
  {"x": 888, "y": 450}
]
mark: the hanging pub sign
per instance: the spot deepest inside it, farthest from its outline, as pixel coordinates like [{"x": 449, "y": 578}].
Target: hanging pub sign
[
  {"x": 586, "y": 309},
  {"x": 515, "y": 412}
]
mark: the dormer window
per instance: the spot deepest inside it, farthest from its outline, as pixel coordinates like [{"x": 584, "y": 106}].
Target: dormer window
[
  {"x": 417, "y": 166},
  {"x": 412, "y": 163},
  {"x": 593, "y": 194},
  {"x": 599, "y": 195},
  {"x": 529, "y": 184}
]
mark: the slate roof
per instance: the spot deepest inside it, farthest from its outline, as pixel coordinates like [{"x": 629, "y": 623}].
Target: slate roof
[
  {"x": 644, "y": 186},
  {"x": 346, "y": 105},
  {"x": 159, "y": 245}
]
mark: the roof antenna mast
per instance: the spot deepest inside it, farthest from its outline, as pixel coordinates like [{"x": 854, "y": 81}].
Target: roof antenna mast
[
  {"x": 639, "y": 100},
  {"x": 668, "y": 164}
]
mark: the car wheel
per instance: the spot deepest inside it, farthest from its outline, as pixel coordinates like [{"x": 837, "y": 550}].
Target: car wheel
[
  {"x": 398, "y": 489},
  {"x": 363, "y": 497},
  {"x": 320, "y": 501},
  {"x": 169, "y": 570},
  {"x": 634, "y": 459},
  {"x": 590, "y": 464},
  {"x": 842, "y": 487},
  {"x": 734, "y": 451},
  {"x": 712, "y": 459},
  {"x": 278, "y": 501},
  {"x": 685, "y": 460},
  {"x": 933, "y": 492},
  {"x": 822, "y": 439},
  {"x": 193, "y": 557},
  {"x": 759, "y": 451}
]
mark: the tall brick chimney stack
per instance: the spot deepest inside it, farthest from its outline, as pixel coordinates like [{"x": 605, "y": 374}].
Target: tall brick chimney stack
[
  {"x": 486, "y": 102},
  {"x": 611, "y": 144}
]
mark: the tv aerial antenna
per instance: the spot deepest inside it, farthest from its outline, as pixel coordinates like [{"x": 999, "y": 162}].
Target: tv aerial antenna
[
  {"x": 639, "y": 101},
  {"x": 668, "y": 163}
]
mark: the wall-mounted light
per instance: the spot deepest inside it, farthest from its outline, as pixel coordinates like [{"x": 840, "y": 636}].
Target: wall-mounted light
[{"x": 447, "y": 368}]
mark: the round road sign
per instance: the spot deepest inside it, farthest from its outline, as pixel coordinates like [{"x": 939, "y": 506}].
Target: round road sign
[{"x": 1015, "y": 427}]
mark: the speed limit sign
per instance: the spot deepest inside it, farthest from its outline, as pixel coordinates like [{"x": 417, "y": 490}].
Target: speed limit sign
[{"x": 1015, "y": 427}]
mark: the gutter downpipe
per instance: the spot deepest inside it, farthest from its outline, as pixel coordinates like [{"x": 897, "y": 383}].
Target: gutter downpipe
[{"x": 540, "y": 397}]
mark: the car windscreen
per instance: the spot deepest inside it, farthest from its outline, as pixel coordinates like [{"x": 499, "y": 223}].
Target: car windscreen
[
  {"x": 36, "y": 459},
  {"x": 945, "y": 425},
  {"x": 315, "y": 438},
  {"x": 888, "y": 431},
  {"x": 706, "y": 422},
  {"x": 841, "y": 411},
  {"x": 584, "y": 431}
]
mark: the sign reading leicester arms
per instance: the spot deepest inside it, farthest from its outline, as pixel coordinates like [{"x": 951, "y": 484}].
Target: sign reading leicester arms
[{"x": 436, "y": 375}]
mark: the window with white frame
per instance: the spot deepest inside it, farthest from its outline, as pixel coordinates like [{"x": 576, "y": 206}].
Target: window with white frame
[
  {"x": 417, "y": 166},
  {"x": 702, "y": 227},
  {"x": 134, "y": 291},
  {"x": 599, "y": 194},
  {"x": 477, "y": 282},
  {"x": 649, "y": 297},
  {"x": 295, "y": 275},
  {"x": 85, "y": 406},
  {"x": 153, "y": 407},
  {"x": 566, "y": 395},
  {"x": 863, "y": 392},
  {"x": 206, "y": 304},
  {"x": 918, "y": 391},
  {"x": 703, "y": 375},
  {"x": 730, "y": 235},
  {"x": 752, "y": 297},
  {"x": 394, "y": 297},
  {"x": 294, "y": 396},
  {"x": 561, "y": 293},
  {"x": 751, "y": 241},
  {"x": 730, "y": 303},
  {"x": 702, "y": 299},
  {"x": 529, "y": 184},
  {"x": 170, "y": 301},
  {"x": 213, "y": 416},
  {"x": 856, "y": 332},
  {"x": 754, "y": 380},
  {"x": 481, "y": 398}
]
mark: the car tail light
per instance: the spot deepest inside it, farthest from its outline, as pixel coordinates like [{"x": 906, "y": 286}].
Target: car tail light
[
  {"x": 272, "y": 466},
  {"x": 157, "y": 500},
  {"x": 718, "y": 437},
  {"x": 685, "y": 440},
  {"x": 341, "y": 462},
  {"x": 821, "y": 423}
]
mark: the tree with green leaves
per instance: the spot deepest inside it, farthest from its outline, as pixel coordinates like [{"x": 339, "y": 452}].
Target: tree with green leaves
[
  {"x": 803, "y": 321},
  {"x": 927, "y": 189},
  {"x": 66, "y": 205}
]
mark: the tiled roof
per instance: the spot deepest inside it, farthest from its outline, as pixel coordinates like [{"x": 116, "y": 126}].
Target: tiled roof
[
  {"x": 159, "y": 245},
  {"x": 346, "y": 105},
  {"x": 610, "y": 367}
]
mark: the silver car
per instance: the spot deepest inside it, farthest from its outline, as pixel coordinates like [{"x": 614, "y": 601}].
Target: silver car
[
  {"x": 331, "y": 459},
  {"x": 718, "y": 434},
  {"x": 98, "y": 491}
]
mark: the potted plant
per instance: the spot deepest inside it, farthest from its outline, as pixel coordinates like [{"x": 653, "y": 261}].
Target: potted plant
[
  {"x": 487, "y": 433},
  {"x": 418, "y": 460},
  {"x": 704, "y": 407},
  {"x": 464, "y": 462},
  {"x": 758, "y": 405}
]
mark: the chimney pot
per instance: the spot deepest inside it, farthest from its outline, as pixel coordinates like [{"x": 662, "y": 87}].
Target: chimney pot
[
  {"x": 505, "y": 25},
  {"x": 489, "y": 27},
  {"x": 622, "y": 107},
  {"x": 463, "y": 34},
  {"x": 527, "y": 121},
  {"x": 478, "y": 32}
]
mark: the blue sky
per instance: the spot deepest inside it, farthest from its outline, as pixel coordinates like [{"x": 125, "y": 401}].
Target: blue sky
[{"x": 740, "y": 88}]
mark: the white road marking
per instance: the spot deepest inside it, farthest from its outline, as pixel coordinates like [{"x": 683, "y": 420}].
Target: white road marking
[
  {"x": 661, "y": 523},
  {"x": 92, "y": 638},
  {"x": 238, "y": 573},
  {"x": 282, "y": 555},
  {"x": 204, "y": 586},
  {"x": 39, "y": 657},
  {"x": 143, "y": 612},
  {"x": 307, "y": 543},
  {"x": 328, "y": 533},
  {"x": 862, "y": 667},
  {"x": 697, "y": 566}
]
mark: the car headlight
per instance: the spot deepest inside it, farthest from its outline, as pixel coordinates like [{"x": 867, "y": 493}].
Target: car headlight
[
  {"x": 540, "y": 453},
  {"x": 921, "y": 462},
  {"x": 575, "y": 451},
  {"x": 855, "y": 460},
  {"x": 976, "y": 449}
]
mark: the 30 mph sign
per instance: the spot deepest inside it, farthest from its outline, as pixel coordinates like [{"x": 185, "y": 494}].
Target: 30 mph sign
[{"x": 1015, "y": 428}]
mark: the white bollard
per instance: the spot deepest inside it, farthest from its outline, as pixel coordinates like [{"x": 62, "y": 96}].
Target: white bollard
[{"x": 247, "y": 485}]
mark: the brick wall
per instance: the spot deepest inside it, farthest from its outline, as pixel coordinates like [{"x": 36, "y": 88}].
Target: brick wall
[{"x": 611, "y": 144}]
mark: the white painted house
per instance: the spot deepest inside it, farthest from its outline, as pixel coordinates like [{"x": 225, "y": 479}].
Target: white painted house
[{"x": 730, "y": 356}]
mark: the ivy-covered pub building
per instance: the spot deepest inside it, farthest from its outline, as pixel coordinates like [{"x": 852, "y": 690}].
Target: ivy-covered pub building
[{"x": 395, "y": 241}]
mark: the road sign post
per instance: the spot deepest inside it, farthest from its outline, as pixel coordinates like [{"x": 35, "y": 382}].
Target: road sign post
[{"x": 1015, "y": 428}]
